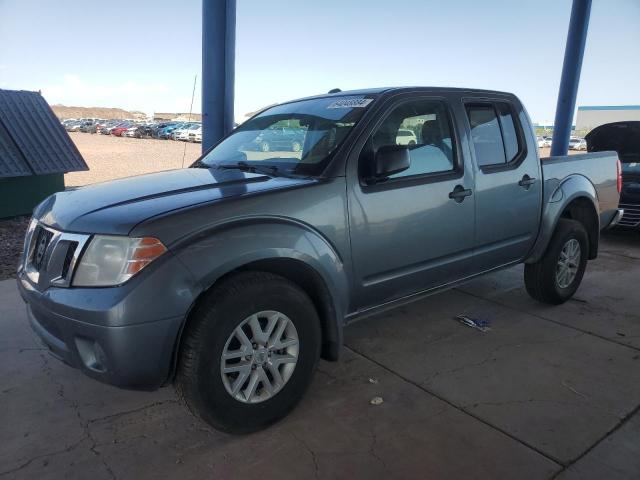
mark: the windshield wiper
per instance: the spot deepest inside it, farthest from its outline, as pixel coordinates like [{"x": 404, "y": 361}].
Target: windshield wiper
[{"x": 270, "y": 170}]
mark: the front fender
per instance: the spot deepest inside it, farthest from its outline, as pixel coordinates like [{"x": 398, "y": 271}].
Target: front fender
[
  {"x": 565, "y": 192},
  {"x": 227, "y": 247}
]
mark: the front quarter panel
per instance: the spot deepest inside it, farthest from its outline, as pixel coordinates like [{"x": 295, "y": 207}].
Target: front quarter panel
[
  {"x": 307, "y": 224},
  {"x": 243, "y": 242}
]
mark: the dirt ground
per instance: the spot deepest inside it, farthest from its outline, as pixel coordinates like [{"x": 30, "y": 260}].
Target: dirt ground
[
  {"x": 111, "y": 157},
  {"x": 11, "y": 238}
]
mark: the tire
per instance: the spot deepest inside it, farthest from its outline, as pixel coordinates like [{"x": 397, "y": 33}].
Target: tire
[
  {"x": 265, "y": 147},
  {"x": 411, "y": 143},
  {"x": 544, "y": 280},
  {"x": 200, "y": 381},
  {"x": 296, "y": 147}
]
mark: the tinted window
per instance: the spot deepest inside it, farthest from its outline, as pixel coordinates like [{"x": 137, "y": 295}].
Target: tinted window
[
  {"x": 493, "y": 133},
  {"x": 509, "y": 135},
  {"x": 422, "y": 126},
  {"x": 485, "y": 135}
]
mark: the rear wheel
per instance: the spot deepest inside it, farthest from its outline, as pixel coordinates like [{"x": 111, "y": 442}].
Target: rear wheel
[
  {"x": 249, "y": 353},
  {"x": 557, "y": 276}
]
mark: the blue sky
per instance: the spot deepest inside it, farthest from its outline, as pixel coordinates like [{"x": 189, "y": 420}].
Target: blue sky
[{"x": 144, "y": 54}]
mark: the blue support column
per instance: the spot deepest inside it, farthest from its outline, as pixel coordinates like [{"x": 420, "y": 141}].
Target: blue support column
[
  {"x": 218, "y": 69},
  {"x": 574, "y": 51}
]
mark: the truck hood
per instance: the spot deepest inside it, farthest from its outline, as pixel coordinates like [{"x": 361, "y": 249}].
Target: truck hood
[{"x": 116, "y": 207}]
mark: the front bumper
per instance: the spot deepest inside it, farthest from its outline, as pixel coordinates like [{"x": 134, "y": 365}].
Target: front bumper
[{"x": 124, "y": 336}]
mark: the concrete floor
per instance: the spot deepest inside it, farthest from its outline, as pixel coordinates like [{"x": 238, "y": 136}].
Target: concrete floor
[{"x": 549, "y": 392}]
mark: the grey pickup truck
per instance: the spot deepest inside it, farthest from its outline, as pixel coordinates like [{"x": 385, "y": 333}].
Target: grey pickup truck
[{"x": 231, "y": 278}]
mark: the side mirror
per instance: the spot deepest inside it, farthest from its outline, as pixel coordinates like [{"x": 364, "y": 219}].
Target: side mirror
[{"x": 390, "y": 159}]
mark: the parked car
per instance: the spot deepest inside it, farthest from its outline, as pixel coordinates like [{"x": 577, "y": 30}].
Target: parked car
[
  {"x": 624, "y": 138},
  {"x": 157, "y": 128},
  {"x": 577, "y": 144},
  {"x": 182, "y": 134},
  {"x": 73, "y": 126},
  {"x": 406, "y": 137},
  {"x": 121, "y": 129},
  {"x": 233, "y": 277},
  {"x": 110, "y": 125},
  {"x": 543, "y": 142},
  {"x": 144, "y": 131},
  {"x": 88, "y": 127},
  {"x": 130, "y": 132},
  {"x": 196, "y": 135},
  {"x": 166, "y": 132},
  {"x": 280, "y": 138}
]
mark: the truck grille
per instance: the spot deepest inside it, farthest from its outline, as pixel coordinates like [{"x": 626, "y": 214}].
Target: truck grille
[
  {"x": 631, "y": 217},
  {"x": 42, "y": 239},
  {"x": 50, "y": 255}
]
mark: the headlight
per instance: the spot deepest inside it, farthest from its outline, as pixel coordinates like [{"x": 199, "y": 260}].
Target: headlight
[{"x": 112, "y": 260}]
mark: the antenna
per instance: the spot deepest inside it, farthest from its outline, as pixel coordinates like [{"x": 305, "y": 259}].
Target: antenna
[{"x": 184, "y": 152}]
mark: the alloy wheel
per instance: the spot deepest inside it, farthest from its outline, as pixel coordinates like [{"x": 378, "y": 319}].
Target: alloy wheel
[
  {"x": 259, "y": 356},
  {"x": 568, "y": 263}
]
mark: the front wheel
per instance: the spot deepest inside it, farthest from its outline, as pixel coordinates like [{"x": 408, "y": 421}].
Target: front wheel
[
  {"x": 556, "y": 277},
  {"x": 249, "y": 352}
]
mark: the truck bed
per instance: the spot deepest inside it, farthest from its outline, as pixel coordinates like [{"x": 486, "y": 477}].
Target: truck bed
[{"x": 597, "y": 167}]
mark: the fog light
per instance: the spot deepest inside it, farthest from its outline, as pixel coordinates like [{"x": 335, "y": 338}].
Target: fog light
[{"x": 91, "y": 354}]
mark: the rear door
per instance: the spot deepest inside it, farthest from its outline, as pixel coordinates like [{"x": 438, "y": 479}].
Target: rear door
[{"x": 508, "y": 183}]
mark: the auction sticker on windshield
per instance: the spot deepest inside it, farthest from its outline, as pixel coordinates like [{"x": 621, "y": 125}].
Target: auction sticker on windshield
[{"x": 351, "y": 102}]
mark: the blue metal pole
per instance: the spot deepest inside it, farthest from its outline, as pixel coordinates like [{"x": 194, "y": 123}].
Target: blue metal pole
[
  {"x": 574, "y": 51},
  {"x": 218, "y": 69}
]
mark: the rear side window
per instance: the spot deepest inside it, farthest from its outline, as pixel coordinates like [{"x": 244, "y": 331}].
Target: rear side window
[{"x": 494, "y": 134}]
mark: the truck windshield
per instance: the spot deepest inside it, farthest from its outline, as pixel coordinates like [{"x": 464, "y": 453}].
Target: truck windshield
[{"x": 297, "y": 138}]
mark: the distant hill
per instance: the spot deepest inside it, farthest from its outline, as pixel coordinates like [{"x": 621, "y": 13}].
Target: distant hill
[{"x": 63, "y": 112}]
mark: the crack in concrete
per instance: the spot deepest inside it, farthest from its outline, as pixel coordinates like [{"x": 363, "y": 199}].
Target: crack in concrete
[
  {"x": 459, "y": 408},
  {"x": 492, "y": 353},
  {"x": 535, "y": 400},
  {"x": 374, "y": 442},
  {"x": 535, "y": 315},
  {"x": 84, "y": 424},
  {"x": 44, "y": 455},
  {"x": 127, "y": 412},
  {"x": 311, "y": 452},
  {"x": 618, "y": 254}
]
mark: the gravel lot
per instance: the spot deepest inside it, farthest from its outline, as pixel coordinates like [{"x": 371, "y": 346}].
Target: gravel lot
[{"x": 115, "y": 157}]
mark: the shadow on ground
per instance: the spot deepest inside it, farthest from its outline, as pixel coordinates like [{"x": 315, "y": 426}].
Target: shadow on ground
[{"x": 547, "y": 392}]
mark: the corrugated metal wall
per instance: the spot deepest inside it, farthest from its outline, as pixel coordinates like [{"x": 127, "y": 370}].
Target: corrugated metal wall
[{"x": 32, "y": 140}]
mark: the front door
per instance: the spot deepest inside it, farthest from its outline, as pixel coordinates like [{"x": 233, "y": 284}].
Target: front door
[{"x": 415, "y": 229}]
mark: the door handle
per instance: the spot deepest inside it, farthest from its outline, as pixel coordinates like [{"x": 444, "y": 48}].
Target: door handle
[
  {"x": 526, "y": 181},
  {"x": 459, "y": 192}
]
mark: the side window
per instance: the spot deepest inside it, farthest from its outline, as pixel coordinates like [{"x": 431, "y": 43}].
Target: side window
[
  {"x": 509, "y": 134},
  {"x": 493, "y": 133},
  {"x": 421, "y": 125}
]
